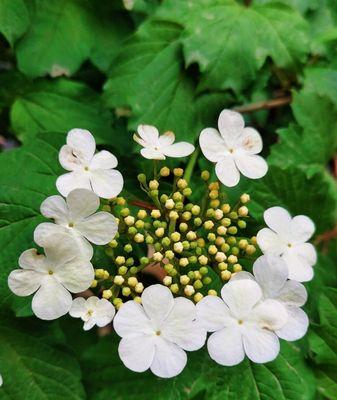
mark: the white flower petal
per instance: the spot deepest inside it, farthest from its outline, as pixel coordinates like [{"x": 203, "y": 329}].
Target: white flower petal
[
  {"x": 103, "y": 160},
  {"x": 89, "y": 324},
  {"x": 152, "y": 154},
  {"x": 52, "y": 300},
  {"x": 301, "y": 228},
  {"x": 299, "y": 269},
  {"x": 213, "y": 313},
  {"x": 82, "y": 203},
  {"x": 1, "y": 380},
  {"x": 306, "y": 251},
  {"x": 250, "y": 141},
  {"x": 181, "y": 328},
  {"x": 227, "y": 172},
  {"x": 137, "y": 352},
  {"x": 212, "y": 144},
  {"x": 68, "y": 159},
  {"x": 78, "y": 307},
  {"x": 104, "y": 312},
  {"x": 61, "y": 250},
  {"x": 296, "y": 326},
  {"x": 158, "y": 302},
  {"x": 24, "y": 282},
  {"x": 73, "y": 180},
  {"x": 231, "y": 124},
  {"x": 278, "y": 219},
  {"x": 149, "y": 134},
  {"x": 271, "y": 273},
  {"x": 83, "y": 143},
  {"x": 55, "y": 207},
  {"x": 131, "y": 319},
  {"x": 139, "y": 140},
  {"x": 169, "y": 359},
  {"x": 106, "y": 183},
  {"x": 76, "y": 275},
  {"x": 269, "y": 314},
  {"x": 269, "y": 242},
  {"x": 225, "y": 346},
  {"x": 241, "y": 296},
  {"x": 31, "y": 259},
  {"x": 260, "y": 345},
  {"x": 180, "y": 149},
  {"x": 166, "y": 139},
  {"x": 99, "y": 228},
  {"x": 293, "y": 294},
  {"x": 251, "y": 166}
]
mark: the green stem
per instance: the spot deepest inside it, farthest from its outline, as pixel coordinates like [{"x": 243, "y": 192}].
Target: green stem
[
  {"x": 191, "y": 164},
  {"x": 155, "y": 169}
]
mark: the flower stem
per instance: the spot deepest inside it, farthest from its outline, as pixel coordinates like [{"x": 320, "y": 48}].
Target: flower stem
[{"x": 191, "y": 164}]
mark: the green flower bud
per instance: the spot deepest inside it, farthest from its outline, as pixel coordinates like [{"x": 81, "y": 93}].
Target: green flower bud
[
  {"x": 233, "y": 215},
  {"x": 122, "y": 270},
  {"x": 166, "y": 241},
  {"x": 154, "y": 185},
  {"x": 197, "y": 221},
  {"x": 207, "y": 280},
  {"x": 198, "y": 284},
  {"x": 187, "y": 192},
  {"x": 177, "y": 196},
  {"x": 149, "y": 239},
  {"x": 164, "y": 172},
  {"x": 183, "y": 227},
  {"x": 232, "y": 230},
  {"x": 144, "y": 261},
  {"x": 125, "y": 212},
  {"x": 205, "y": 175},
  {"x": 142, "y": 178},
  {"x": 242, "y": 224}
]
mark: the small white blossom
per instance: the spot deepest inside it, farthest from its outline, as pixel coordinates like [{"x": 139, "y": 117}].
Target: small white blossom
[
  {"x": 286, "y": 237},
  {"x": 234, "y": 149},
  {"x": 157, "y": 147},
  {"x": 156, "y": 333},
  {"x": 242, "y": 323},
  {"x": 93, "y": 311},
  {"x": 52, "y": 276},
  {"x": 88, "y": 170},
  {"x": 271, "y": 273},
  {"x": 1, "y": 380},
  {"x": 76, "y": 216}
]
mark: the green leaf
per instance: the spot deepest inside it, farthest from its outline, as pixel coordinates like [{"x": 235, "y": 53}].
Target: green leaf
[
  {"x": 291, "y": 188},
  {"x": 147, "y": 76},
  {"x": 14, "y": 19},
  {"x": 59, "y": 39},
  {"x": 60, "y": 106},
  {"x": 287, "y": 378},
  {"x": 219, "y": 38},
  {"x": 33, "y": 367},
  {"x": 21, "y": 194}
]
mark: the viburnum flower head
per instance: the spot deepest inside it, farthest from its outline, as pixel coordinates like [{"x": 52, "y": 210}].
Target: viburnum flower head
[
  {"x": 157, "y": 147},
  {"x": 287, "y": 237},
  {"x": 156, "y": 333},
  {"x": 93, "y": 311},
  {"x": 242, "y": 322},
  {"x": 271, "y": 273},
  {"x": 52, "y": 276},
  {"x": 76, "y": 216},
  {"x": 88, "y": 170},
  {"x": 234, "y": 149}
]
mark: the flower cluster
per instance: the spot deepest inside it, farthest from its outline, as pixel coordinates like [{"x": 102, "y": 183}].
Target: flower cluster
[{"x": 193, "y": 242}]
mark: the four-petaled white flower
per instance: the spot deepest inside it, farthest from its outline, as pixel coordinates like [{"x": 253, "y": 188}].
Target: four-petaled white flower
[
  {"x": 76, "y": 216},
  {"x": 287, "y": 237},
  {"x": 156, "y": 334},
  {"x": 88, "y": 170},
  {"x": 271, "y": 273},
  {"x": 93, "y": 311},
  {"x": 157, "y": 147},
  {"x": 234, "y": 149},
  {"x": 242, "y": 323},
  {"x": 52, "y": 276}
]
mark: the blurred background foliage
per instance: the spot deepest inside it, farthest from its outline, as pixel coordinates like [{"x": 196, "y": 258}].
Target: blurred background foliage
[{"x": 107, "y": 66}]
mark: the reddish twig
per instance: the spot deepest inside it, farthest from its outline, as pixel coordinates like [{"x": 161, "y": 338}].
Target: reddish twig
[
  {"x": 326, "y": 236},
  {"x": 143, "y": 204},
  {"x": 264, "y": 105}
]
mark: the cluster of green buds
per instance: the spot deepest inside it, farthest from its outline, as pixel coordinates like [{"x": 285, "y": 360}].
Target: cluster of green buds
[{"x": 193, "y": 248}]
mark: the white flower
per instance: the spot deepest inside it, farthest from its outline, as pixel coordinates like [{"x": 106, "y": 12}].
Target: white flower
[
  {"x": 242, "y": 323},
  {"x": 271, "y": 273},
  {"x": 156, "y": 334},
  {"x": 1, "y": 380},
  {"x": 76, "y": 216},
  {"x": 88, "y": 170},
  {"x": 234, "y": 149},
  {"x": 93, "y": 311},
  {"x": 287, "y": 237},
  {"x": 52, "y": 277},
  {"x": 157, "y": 147}
]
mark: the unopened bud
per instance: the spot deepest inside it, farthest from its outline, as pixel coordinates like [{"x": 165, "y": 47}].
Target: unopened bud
[
  {"x": 189, "y": 290},
  {"x": 169, "y": 204},
  {"x": 178, "y": 247},
  {"x": 141, "y": 214},
  {"x": 139, "y": 287},
  {"x": 132, "y": 281},
  {"x": 159, "y": 232},
  {"x": 212, "y": 292},
  {"x": 178, "y": 172},
  {"x": 184, "y": 279},
  {"x": 243, "y": 211},
  {"x": 174, "y": 288},
  {"x": 126, "y": 291},
  {"x": 139, "y": 238},
  {"x": 203, "y": 260},
  {"x": 225, "y": 275},
  {"x": 157, "y": 256},
  {"x": 232, "y": 259},
  {"x": 167, "y": 281},
  {"x": 208, "y": 225},
  {"x": 244, "y": 198},
  {"x": 154, "y": 185},
  {"x": 107, "y": 294},
  {"x": 197, "y": 297},
  {"x": 164, "y": 172},
  {"x": 183, "y": 262},
  {"x": 205, "y": 175},
  {"x": 118, "y": 280},
  {"x": 129, "y": 220}
]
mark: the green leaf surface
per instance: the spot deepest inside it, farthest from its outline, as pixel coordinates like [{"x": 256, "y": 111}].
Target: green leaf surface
[
  {"x": 59, "y": 38},
  {"x": 33, "y": 367},
  {"x": 287, "y": 378},
  {"x": 147, "y": 76},
  {"x": 60, "y": 106},
  {"x": 14, "y": 19}
]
